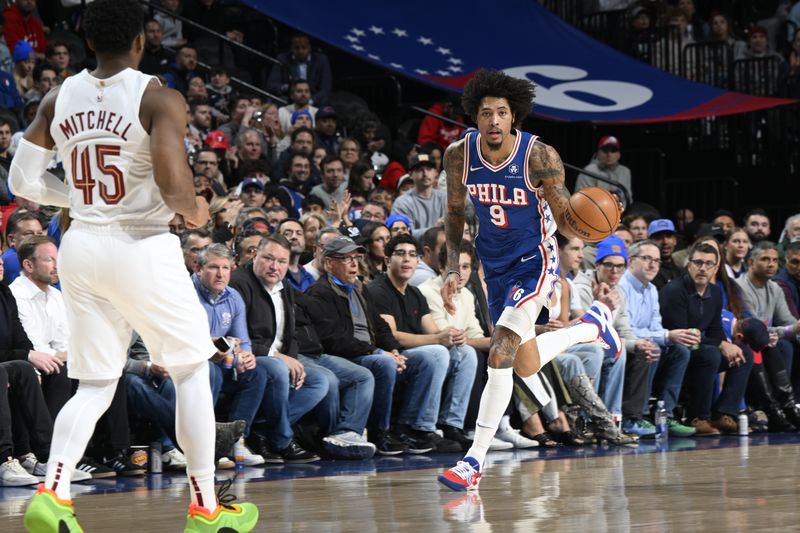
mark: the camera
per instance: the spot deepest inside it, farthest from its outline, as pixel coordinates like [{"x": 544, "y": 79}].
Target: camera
[
  {"x": 223, "y": 344},
  {"x": 258, "y": 116}
]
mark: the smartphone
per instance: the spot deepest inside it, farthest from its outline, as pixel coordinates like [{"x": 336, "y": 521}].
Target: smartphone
[{"x": 222, "y": 344}]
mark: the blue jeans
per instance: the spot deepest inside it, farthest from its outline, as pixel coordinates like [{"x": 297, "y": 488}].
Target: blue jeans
[
  {"x": 154, "y": 400},
  {"x": 611, "y": 382},
  {"x": 349, "y": 400},
  {"x": 247, "y": 391},
  {"x": 591, "y": 355},
  {"x": 570, "y": 366},
  {"x": 281, "y": 406},
  {"x": 384, "y": 371},
  {"x": 458, "y": 385},
  {"x": 426, "y": 370},
  {"x": 670, "y": 369}
]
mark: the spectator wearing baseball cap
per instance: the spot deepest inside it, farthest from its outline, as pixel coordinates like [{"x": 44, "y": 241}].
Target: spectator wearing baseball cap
[
  {"x": 325, "y": 129},
  {"x": 662, "y": 232},
  {"x": 398, "y": 224},
  {"x": 424, "y": 204},
  {"x": 758, "y": 45},
  {"x": 252, "y": 194},
  {"x": 217, "y": 140},
  {"x": 606, "y": 163}
]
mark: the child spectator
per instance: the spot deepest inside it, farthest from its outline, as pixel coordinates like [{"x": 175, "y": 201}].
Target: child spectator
[{"x": 220, "y": 92}]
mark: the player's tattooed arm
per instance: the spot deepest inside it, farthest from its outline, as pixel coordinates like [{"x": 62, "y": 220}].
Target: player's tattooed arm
[
  {"x": 546, "y": 171},
  {"x": 456, "y": 198}
]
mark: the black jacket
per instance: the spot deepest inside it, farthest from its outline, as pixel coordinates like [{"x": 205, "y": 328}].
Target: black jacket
[
  {"x": 261, "y": 312},
  {"x": 14, "y": 342},
  {"x": 334, "y": 321},
  {"x": 682, "y": 307}
]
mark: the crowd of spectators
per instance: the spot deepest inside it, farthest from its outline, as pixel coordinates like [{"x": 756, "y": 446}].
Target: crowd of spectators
[{"x": 320, "y": 272}]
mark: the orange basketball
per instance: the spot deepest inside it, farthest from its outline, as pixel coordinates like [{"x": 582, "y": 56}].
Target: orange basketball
[{"x": 592, "y": 214}]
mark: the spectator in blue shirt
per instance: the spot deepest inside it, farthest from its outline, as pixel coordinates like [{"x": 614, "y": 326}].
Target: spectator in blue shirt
[
  {"x": 645, "y": 315},
  {"x": 296, "y": 275}
]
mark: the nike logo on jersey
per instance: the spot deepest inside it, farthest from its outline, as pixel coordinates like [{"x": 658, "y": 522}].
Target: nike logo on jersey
[
  {"x": 524, "y": 259},
  {"x": 473, "y": 169}
]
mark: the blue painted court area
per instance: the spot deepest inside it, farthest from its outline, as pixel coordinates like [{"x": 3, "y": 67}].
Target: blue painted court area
[{"x": 177, "y": 480}]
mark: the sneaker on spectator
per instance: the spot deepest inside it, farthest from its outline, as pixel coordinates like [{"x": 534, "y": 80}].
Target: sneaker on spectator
[
  {"x": 258, "y": 445},
  {"x": 293, "y": 453},
  {"x": 87, "y": 465},
  {"x": 416, "y": 444},
  {"x": 13, "y": 475},
  {"x": 348, "y": 445},
  {"x": 725, "y": 424},
  {"x": 703, "y": 428},
  {"x": 640, "y": 427},
  {"x": 517, "y": 441},
  {"x": 676, "y": 429},
  {"x": 498, "y": 445},
  {"x": 122, "y": 465},
  {"x": 227, "y": 434},
  {"x": 457, "y": 435},
  {"x": 386, "y": 444},
  {"x": 225, "y": 463},
  {"x": 252, "y": 459},
  {"x": 441, "y": 444},
  {"x": 173, "y": 460},
  {"x": 33, "y": 466}
]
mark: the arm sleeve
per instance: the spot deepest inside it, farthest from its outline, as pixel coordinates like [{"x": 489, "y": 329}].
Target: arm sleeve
[{"x": 28, "y": 176}]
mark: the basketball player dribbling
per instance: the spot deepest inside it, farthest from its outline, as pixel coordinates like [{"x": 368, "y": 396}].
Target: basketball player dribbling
[
  {"x": 516, "y": 184},
  {"x": 120, "y": 136}
]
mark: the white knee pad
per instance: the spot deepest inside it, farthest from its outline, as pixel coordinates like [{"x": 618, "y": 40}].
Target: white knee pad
[{"x": 521, "y": 320}]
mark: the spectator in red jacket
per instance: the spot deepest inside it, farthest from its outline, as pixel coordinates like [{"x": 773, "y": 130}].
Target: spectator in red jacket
[
  {"x": 23, "y": 25},
  {"x": 435, "y": 130}
]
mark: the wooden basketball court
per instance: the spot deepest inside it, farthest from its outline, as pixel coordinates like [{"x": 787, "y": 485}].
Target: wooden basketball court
[{"x": 719, "y": 484}]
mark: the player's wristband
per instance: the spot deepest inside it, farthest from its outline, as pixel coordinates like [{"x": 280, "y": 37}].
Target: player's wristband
[{"x": 454, "y": 272}]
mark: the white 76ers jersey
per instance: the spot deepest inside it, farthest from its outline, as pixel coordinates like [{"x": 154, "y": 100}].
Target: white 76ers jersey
[{"x": 105, "y": 150}]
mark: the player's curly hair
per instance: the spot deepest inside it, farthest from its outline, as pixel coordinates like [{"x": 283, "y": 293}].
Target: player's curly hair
[
  {"x": 112, "y": 25},
  {"x": 518, "y": 92}
]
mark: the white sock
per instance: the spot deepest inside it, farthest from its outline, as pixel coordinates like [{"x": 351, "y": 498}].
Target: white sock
[
  {"x": 552, "y": 343},
  {"x": 505, "y": 423},
  {"x": 494, "y": 402},
  {"x": 72, "y": 430},
  {"x": 196, "y": 430}
]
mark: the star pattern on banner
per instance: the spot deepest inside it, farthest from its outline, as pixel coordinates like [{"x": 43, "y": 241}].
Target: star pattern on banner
[{"x": 398, "y": 48}]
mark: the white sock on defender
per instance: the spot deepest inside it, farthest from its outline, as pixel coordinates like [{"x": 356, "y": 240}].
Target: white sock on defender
[{"x": 494, "y": 402}]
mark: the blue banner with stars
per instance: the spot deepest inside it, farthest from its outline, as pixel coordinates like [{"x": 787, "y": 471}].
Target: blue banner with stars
[{"x": 445, "y": 43}]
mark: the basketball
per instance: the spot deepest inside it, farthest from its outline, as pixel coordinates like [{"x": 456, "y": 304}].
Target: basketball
[{"x": 592, "y": 214}]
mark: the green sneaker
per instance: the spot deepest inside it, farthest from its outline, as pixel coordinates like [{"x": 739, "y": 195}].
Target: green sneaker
[
  {"x": 48, "y": 514},
  {"x": 646, "y": 424},
  {"x": 676, "y": 429},
  {"x": 238, "y": 517}
]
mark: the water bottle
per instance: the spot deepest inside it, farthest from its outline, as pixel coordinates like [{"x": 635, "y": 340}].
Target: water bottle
[
  {"x": 743, "y": 422},
  {"x": 661, "y": 422},
  {"x": 155, "y": 457},
  {"x": 238, "y": 453}
]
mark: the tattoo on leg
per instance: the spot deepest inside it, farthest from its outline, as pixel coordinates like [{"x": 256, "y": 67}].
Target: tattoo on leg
[{"x": 504, "y": 346}]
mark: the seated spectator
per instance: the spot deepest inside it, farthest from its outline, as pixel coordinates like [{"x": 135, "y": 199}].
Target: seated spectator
[
  {"x": 666, "y": 371},
  {"x": 404, "y": 308},
  {"x": 194, "y": 241},
  {"x": 297, "y": 180},
  {"x": 350, "y": 151},
  {"x": 431, "y": 242},
  {"x": 22, "y": 24},
  {"x": 6, "y": 61},
  {"x": 423, "y": 205},
  {"x": 398, "y": 224},
  {"x": 171, "y": 26},
  {"x": 182, "y": 70},
  {"x": 606, "y": 163},
  {"x": 24, "y": 63},
  {"x": 199, "y": 117},
  {"x": 639, "y": 41},
  {"x": 435, "y": 130},
  {"x": 295, "y": 388},
  {"x": 790, "y": 233},
  {"x": 361, "y": 180},
  {"x": 350, "y": 328},
  {"x": 300, "y": 96},
  {"x": 155, "y": 58},
  {"x": 692, "y": 301},
  {"x": 252, "y": 194},
  {"x": 244, "y": 381},
  {"x": 633, "y": 364},
  {"x": 9, "y": 96},
  {"x": 382, "y": 196},
  {"x": 315, "y": 267},
  {"x": 325, "y": 134},
  {"x": 696, "y": 26},
  {"x": 220, "y": 92},
  {"x": 757, "y": 225},
  {"x": 375, "y": 260},
  {"x": 403, "y": 151},
  {"x": 296, "y": 274},
  {"x": 637, "y": 225},
  {"x": 758, "y": 45},
  {"x": 737, "y": 247},
  {"x": 245, "y": 245},
  {"x": 372, "y": 135},
  {"x": 206, "y": 162},
  {"x": 44, "y": 79},
  {"x": 58, "y": 57},
  {"x": 275, "y": 215},
  {"x": 374, "y": 212},
  {"x": 333, "y": 184},
  {"x": 302, "y": 142},
  {"x": 20, "y": 225},
  {"x": 789, "y": 278},
  {"x": 662, "y": 232},
  {"x": 724, "y": 218},
  {"x": 722, "y": 32},
  {"x": 300, "y": 63}
]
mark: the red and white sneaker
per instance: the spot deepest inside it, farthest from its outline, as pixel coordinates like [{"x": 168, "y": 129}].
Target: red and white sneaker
[{"x": 464, "y": 476}]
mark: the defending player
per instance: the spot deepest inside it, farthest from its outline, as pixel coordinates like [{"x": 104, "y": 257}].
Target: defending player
[
  {"x": 120, "y": 135},
  {"x": 517, "y": 187}
]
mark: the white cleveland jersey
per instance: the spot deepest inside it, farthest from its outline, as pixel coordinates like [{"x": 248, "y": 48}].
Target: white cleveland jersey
[{"x": 105, "y": 150}]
